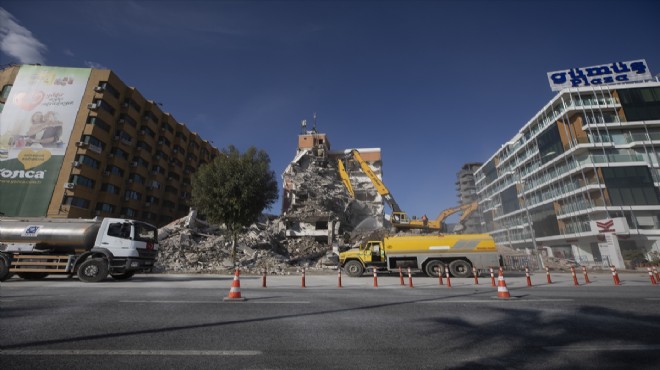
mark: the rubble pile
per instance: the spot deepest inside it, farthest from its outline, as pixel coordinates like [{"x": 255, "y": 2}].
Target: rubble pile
[{"x": 189, "y": 245}]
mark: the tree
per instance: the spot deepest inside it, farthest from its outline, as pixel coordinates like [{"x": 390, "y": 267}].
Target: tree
[{"x": 234, "y": 189}]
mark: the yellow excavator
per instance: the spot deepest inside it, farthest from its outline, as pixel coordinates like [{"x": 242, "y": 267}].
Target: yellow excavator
[{"x": 400, "y": 219}]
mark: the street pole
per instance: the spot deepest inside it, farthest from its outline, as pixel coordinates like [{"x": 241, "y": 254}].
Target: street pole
[{"x": 531, "y": 225}]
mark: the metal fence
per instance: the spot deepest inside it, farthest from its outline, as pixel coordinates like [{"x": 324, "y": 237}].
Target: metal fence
[{"x": 518, "y": 263}]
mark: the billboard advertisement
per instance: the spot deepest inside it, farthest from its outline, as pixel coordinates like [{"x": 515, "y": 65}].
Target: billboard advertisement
[
  {"x": 605, "y": 74},
  {"x": 35, "y": 129}
]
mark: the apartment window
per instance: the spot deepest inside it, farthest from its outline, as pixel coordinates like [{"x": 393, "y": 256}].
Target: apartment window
[
  {"x": 136, "y": 178},
  {"x": 99, "y": 123},
  {"x": 144, "y": 146},
  {"x": 144, "y": 130},
  {"x": 125, "y": 137},
  {"x": 162, "y": 140},
  {"x": 95, "y": 144},
  {"x": 181, "y": 135},
  {"x": 130, "y": 103},
  {"x": 153, "y": 200},
  {"x": 115, "y": 170},
  {"x": 109, "y": 188},
  {"x": 490, "y": 171},
  {"x": 132, "y": 195},
  {"x": 100, "y": 103},
  {"x": 510, "y": 201},
  {"x": 82, "y": 180},
  {"x": 549, "y": 143},
  {"x": 129, "y": 212},
  {"x": 109, "y": 88},
  {"x": 149, "y": 116},
  {"x": 119, "y": 153},
  {"x": 167, "y": 127},
  {"x": 141, "y": 162},
  {"x": 125, "y": 118},
  {"x": 640, "y": 104},
  {"x": 88, "y": 161},
  {"x": 628, "y": 186},
  {"x": 76, "y": 202},
  {"x": 105, "y": 207}
]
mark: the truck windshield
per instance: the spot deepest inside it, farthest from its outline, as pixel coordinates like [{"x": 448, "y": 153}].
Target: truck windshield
[{"x": 145, "y": 233}]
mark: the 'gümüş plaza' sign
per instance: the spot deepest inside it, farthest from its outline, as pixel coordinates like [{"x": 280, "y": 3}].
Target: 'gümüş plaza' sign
[{"x": 605, "y": 74}]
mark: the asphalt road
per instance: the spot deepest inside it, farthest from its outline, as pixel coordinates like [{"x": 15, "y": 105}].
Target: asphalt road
[{"x": 183, "y": 322}]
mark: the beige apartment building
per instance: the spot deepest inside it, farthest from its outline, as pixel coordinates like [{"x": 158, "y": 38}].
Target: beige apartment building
[{"x": 81, "y": 143}]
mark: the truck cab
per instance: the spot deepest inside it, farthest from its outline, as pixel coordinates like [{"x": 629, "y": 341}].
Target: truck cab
[{"x": 370, "y": 254}]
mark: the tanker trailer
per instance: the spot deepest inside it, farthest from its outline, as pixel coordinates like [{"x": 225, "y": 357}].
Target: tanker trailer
[{"x": 33, "y": 248}]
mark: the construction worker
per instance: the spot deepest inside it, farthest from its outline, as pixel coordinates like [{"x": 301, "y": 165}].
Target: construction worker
[{"x": 425, "y": 220}]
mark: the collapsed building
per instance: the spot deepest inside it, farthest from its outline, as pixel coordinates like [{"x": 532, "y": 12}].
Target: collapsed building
[
  {"x": 316, "y": 203},
  {"x": 318, "y": 213}
]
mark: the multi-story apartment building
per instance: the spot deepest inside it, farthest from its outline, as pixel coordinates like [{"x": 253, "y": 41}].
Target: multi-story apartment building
[
  {"x": 581, "y": 179},
  {"x": 79, "y": 142},
  {"x": 467, "y": 193}
]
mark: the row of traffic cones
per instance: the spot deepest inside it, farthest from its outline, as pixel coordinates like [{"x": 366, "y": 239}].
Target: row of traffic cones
[{"x": 502, "y": 290}]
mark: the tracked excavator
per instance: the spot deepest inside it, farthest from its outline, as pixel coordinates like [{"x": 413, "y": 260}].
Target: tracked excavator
[{"x": 400, "y": 219}]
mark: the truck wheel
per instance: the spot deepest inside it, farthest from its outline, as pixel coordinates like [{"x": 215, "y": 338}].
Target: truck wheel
[
  {"x": 125, "y": 276},
  {"x": 354, "y": 268},
  {"x": 4, "y": 268},
  {"x": 32, "y": 275},
  {"x": 93, "y": 270},
  {"x": 433, "y": 267},
  {"x": 460, "y": 268}
]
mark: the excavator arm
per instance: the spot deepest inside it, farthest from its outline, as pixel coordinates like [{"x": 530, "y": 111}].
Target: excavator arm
[
  {"x": 380, "y": 187},
  {"x": 344, "y": 178}
]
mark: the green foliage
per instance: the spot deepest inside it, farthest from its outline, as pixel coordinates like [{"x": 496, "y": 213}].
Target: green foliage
[{"x": 235, "y": 188}]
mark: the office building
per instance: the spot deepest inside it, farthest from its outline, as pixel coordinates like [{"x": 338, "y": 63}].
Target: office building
[{"x": 581, "y": 179}]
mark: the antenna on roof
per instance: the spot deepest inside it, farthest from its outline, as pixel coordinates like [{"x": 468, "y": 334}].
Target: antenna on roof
[{"x": 314, "y": 129}]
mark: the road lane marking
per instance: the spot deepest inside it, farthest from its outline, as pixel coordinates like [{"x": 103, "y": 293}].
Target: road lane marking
[
  {"x": 494, "y": 300},
  {"x": 498, "y": 300},
  {"x": 603, "y": 348},
  {"x": 652, "y": 299},
  {"x": 217, "y": 302},
  {"x": 101, "y": 352}
]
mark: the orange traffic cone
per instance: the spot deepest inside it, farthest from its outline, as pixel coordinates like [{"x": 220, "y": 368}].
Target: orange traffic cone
[
  {"x": 235, "y": 291},
  {"x": 502, "y": 291}
]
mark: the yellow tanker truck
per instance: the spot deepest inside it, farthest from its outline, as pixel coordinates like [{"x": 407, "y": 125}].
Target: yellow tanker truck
[{"x": 428, "y": 253}]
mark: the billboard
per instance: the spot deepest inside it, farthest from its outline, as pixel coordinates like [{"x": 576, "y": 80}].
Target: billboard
[
  {"x": 605, "y": 74},
  {"x": 35, "y": 129}
]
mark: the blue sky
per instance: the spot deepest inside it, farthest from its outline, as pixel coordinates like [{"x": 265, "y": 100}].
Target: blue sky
[{"x": 434, "y": 84}]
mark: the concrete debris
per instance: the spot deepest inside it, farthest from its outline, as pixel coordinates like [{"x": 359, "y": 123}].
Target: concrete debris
[{"x": 321, "y": 215}]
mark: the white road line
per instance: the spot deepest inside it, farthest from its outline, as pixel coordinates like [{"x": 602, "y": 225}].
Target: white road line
[
  {"x": 497, "y": 300},
  {"x": 101, "y": 352},
  {"x": 604, "y": 348},
  {"x": 652, "y": 299},
  {"x": 219, "y": 302}
]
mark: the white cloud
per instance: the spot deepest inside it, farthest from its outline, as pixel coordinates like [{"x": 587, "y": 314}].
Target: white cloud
[
  {"x": 96, "y": 65},
  {"x": 68, "y": 52},
  {"x": 18, "y": 42}
]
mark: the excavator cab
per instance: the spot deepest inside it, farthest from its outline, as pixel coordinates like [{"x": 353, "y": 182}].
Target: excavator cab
[{"x": 399, "y": 218}]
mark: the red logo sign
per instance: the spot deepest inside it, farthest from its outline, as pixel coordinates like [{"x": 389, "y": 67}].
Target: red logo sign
[
  {"x": 150, "y": 246},
  {"x": 605, "y": 227}
]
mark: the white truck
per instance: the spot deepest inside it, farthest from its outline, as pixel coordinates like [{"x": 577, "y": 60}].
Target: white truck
[{"x": 33, "y": 248}]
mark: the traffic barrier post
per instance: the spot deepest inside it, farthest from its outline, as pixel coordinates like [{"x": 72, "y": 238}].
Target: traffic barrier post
[
  {"x": 575, "y": 280},
  {"x": 448, "y": 278},
  {"x": 492, "y": 277},
  {"x": 586, "y": 275},
  {"x": 410, "y": 282},
  {"x": 529, "y": 278},
  {"x": 263, "y": 279},
  {"x": 653, "y": 282},
  {"x": 547, "y": 274},
  {"x": 476, "y": 275}
]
